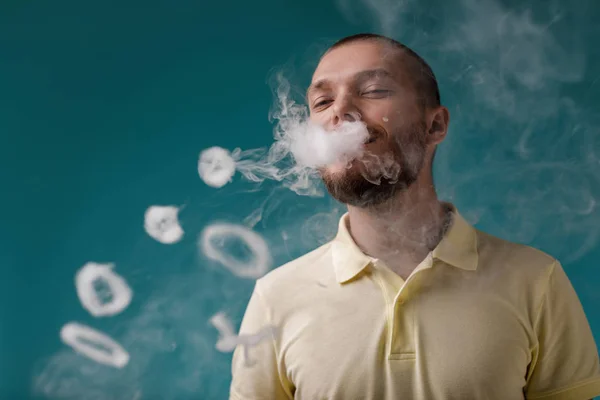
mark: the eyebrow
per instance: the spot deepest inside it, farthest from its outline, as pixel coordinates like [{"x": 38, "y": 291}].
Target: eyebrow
[{"x": 358, "y": 77}]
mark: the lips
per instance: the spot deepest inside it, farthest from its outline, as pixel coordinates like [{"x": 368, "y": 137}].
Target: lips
[{"x": 374, "y": 134}]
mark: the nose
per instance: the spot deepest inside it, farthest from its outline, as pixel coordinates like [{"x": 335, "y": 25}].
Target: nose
[{"x": 344, "y": 110}]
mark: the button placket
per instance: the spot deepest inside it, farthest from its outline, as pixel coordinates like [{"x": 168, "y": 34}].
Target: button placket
[
  {"x": 400, "y": 341},
  {"x": 403, "y": 316}
]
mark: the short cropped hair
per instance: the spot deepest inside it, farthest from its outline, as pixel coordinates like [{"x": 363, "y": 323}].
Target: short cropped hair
[{"x": 423, "y": 77}]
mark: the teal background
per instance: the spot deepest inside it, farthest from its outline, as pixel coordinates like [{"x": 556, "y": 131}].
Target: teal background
[{"x": 105, "y": 106}]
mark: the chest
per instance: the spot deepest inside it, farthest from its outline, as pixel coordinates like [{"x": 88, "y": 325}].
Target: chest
[{"x": 439, "y": 346}]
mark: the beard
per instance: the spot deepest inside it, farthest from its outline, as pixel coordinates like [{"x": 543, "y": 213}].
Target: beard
[{"x": 376, "y": 178}]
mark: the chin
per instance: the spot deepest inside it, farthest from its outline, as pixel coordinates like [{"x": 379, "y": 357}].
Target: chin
[
  {"x": 337, "y": 169},
  {"x": 342, "y": 172},
  {"x": 351, "y": 187}
]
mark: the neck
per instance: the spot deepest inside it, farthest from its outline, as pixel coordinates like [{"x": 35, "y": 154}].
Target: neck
[{"x": 402, "y": 231}]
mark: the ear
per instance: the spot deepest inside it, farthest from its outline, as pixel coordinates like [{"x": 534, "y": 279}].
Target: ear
[{"x": 437, "y": 123}]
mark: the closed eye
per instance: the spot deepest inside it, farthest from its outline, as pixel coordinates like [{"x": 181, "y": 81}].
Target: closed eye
[
  {"x": 321, "y": 103},
  {"x": 378, "y": 91}
]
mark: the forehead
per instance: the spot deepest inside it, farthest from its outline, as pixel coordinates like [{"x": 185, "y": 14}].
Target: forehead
[{"x": 343, "y": 62}]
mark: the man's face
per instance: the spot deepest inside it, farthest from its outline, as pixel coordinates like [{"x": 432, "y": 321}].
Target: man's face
[{"x": 366, "y": 80}]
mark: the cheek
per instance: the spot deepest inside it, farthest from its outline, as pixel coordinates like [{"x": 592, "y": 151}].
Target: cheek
[
  {"x": 318, "y": 117},
  {"x": 381, "y": 114},
  {"x": 400, "y": 121},
  {"x": 406, "y": 116}
]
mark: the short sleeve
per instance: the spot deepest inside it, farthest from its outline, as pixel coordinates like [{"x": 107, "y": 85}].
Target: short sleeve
[
  {"x": 256, "y": 371},
  {"x": 565, "y": 363}
]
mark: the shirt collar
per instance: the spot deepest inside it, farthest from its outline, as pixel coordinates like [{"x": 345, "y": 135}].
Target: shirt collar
[{"x": 457, "y": 248}]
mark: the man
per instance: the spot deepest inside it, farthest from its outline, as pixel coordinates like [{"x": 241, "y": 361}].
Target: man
[{"x": 408, "y": 301}]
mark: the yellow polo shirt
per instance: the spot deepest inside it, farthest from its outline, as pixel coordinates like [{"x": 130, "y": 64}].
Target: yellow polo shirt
[{"x": 479, "y": 318}]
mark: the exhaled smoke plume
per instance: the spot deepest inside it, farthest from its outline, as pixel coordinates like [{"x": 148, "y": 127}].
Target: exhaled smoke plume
[{"x": 300, "y": 148}]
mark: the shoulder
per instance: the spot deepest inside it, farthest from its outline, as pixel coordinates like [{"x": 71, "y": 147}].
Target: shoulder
[
  {"x": 493, "y": 247},
  {"x": 516, "y": 264},
  {"x": 297, "y": 273}
]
